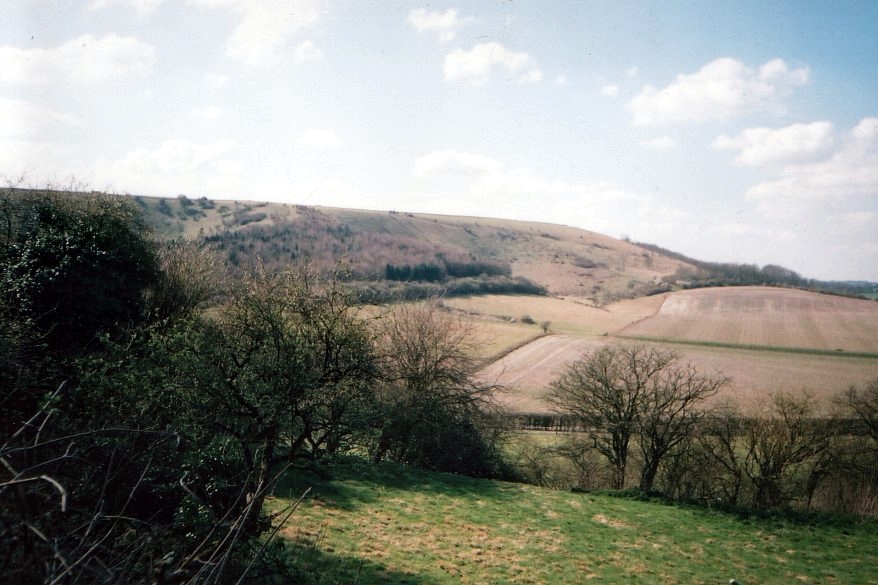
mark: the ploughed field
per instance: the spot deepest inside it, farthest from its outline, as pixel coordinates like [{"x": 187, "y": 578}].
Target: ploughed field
[
  {"x": 765, "y": 339},
  {"x": 764, "y": 316}
]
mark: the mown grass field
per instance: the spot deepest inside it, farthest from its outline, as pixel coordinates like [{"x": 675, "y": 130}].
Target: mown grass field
[{"x": 389, "y": 524}]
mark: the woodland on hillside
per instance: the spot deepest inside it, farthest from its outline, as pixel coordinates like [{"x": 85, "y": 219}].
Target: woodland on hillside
[
  {"x": 701, "y": 274},
  {"x": 394, "y": 261},
  {"x": 154, "y": 393}
]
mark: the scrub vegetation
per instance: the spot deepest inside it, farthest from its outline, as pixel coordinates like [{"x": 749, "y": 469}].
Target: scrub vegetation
[{"x": 169, "y": 415}]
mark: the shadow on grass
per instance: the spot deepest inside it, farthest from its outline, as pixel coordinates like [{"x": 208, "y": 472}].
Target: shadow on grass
[
  {"x": 315, "y": 566},
  {"x": 355, "y": 481},
  {"x": 743, "y": 513},
  {"x": 351, "y": 484}
]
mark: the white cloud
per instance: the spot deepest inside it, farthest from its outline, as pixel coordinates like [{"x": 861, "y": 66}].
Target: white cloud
[
  {"x": 141, "y": 6},
  {"x": 660, "y": 143},
  {"x": 208, "y": 113},
  {"x": 631, "y": 72},
  {"x": 319, "y": 138},
  {"x": 722, "y": 89},
  {"x": 35, "y": 163},
  {"x": 794, "y": 143},
  {"x": 860, "y": 217},
  {"x": 265, "y": 26},
  {"x": 532, "y": 76},
  {"x": 477, "y": 64},
  {"x": 19, "y": 119},
  {"x": 215, "y": 80},
  {"x": 444, "y": 23},
  {"x": 560, "y": 80},
  {"x": 850, "y": 171},
  {"x": 610, "y": 90},
  {"x": 453, "y": 163},
  {"x": 738, "y": 229},
  {"x": 174, "y": 166},
  {"x": 468, "y": 183},
  {"x": 82, "y": 59},
  {"x": 307, "y": 51},
  {"x": 173, "y": 157}
]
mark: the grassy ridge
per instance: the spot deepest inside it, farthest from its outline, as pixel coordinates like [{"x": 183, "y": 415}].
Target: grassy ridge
[
  {"x": 751, "y": 347},
  {"x": 389, "y": 524}
]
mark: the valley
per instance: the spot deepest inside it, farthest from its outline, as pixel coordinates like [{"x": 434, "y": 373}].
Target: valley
[
  {"x": 765, "y": 340},
  {"x": 597, "y": 290}
]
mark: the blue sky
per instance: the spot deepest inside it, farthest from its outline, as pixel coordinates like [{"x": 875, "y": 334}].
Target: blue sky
[{"x": 728, "y": 131}]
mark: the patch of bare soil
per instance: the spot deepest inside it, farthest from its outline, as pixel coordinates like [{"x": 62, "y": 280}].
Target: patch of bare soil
[{"x": 526, "y": 373}]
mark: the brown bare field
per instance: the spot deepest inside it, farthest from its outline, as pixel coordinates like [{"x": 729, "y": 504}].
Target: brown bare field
[
  {"x": 752, "y": 316},
  {"x": 764, "y": 316},
  {"x": 566, "y": 315},
  {"x": 497, "y": 338},
  {"x": 526, "y": 373}
]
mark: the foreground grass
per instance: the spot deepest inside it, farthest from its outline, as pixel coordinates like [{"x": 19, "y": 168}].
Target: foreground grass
[{"x": 389, "y": 524}]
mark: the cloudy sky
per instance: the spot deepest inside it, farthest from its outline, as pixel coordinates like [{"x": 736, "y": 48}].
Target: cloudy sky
[{"x": 728, "y": 131}]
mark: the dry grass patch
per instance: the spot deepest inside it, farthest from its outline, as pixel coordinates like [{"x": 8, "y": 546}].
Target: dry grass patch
[
  {"x": 572, "y": 315},
  {"x": 602, "y": 519}
]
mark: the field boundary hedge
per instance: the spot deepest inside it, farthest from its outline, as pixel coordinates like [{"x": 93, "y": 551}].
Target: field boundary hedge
[{"x": 754, "y": 347}]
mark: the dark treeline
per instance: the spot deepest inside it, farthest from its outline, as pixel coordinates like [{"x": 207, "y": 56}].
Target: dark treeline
[
  {"x": 443, "y": 270},
  {"x": 394, "y": 291},
  {"x": 706, "y": 274}
]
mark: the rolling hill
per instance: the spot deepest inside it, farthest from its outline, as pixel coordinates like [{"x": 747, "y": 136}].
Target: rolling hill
[
  {"x": 563, "y": 260},
  {"x": 599, "y": 290},
  {"x": 763, "y": 317}
]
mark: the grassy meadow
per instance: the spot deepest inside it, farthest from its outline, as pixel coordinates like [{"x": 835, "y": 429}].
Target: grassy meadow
[{"x": 390, "y": 524}]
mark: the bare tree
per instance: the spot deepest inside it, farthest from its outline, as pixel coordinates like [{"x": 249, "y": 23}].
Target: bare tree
[
  {"x": 864, "y": 404},
  {"x": 621, "y": 391},
  {"x": 435, "y": 410},
  {"x": 718, "y": 441},
  {"x": 671, "y": 410},
  {"x": 785, "y": 449}
]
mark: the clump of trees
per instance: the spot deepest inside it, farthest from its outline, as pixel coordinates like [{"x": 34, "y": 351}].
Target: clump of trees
[
  {"x": 643, "y": 415},
  {"x": 443, "y": 269},
  {"x": 622, "y": 392},
  {"x": 701, "y": 274},
  {"x": 150, "y": 401},
  {"x": 437, "y": 414}
]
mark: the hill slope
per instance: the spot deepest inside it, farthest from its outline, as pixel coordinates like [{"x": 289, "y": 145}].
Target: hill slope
[
  {"x": 564, "y": 260},
  {"x": 390, "y": 524},
  {"x": 762, "y": 316}
]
